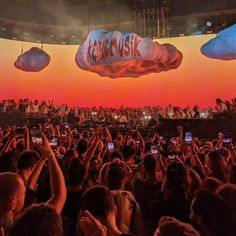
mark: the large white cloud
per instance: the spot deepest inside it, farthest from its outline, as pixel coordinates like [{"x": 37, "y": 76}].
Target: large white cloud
[
  {"x": 223, "y": 46},
  {"x": 115, "y": 54}
]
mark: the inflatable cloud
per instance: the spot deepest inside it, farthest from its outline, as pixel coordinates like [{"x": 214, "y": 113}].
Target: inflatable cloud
[
  {"x": 33, "y": 60},
  {"x": 223, "y": 46},
  {"x": 116, "y": 54}
]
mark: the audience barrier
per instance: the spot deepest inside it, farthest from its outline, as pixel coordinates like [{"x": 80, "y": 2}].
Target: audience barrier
[{"x": 208, "y": 128}]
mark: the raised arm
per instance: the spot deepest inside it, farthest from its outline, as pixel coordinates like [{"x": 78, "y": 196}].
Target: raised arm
[
  {"x": 232, "y": 153},
  {"x": 57, "y": 181},
  {"x": 196, "y": 161},
  {"x": 107, "y": 134},
  {"x": 181, "y": 133},
  {"x": 90, "y": 152},
  {"x": 140, "y": 138},
  {"x": 8, "y": 144},
  {"x": 27, "y": 138},
  {"x": 35, "y": 173}
]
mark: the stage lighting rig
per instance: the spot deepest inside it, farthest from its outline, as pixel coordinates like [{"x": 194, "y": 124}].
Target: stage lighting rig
[{"x": 151, "y": 18}]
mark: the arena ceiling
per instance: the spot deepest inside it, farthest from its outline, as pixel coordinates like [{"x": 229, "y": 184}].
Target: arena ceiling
[{"x": 69, "y": 21}]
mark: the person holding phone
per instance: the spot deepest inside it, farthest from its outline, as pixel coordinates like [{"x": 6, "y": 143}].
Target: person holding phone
[
  {"x": 35, "y": 131},
  {"x": 154, "y": 150},
  {"x": 57, "y": 181},
  {"x": 111, "y": 146},
  {"x": 227, "y": 140},
  {"x": 188, "y": 138}
]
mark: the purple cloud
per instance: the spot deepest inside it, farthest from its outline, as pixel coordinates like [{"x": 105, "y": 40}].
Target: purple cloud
[
  {"x": 223, "y": 46},
  {"x": 33, "y": 60}
]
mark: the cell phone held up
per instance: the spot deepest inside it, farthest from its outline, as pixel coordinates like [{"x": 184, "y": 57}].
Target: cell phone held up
[
  {"x": 111, "y": 146},
  {"x": 188, "y": 138},
  {"x": 53, "y": 142},
  {"x": 227, "y": 140},
  {"x": 35, "y": 133},
  {"x": 154, "y": 149}
]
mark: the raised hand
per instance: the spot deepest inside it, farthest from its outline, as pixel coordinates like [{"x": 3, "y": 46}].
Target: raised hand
[
  {"x": 44, "y": 148},
  {"x": 2, "y": 232},
  {"x": 91, "y": 226}
]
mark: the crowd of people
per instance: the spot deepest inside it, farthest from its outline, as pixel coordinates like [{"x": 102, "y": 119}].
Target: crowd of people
[
  {"x": 56, "y": 181},
  {"x": 136, "y": 116}
]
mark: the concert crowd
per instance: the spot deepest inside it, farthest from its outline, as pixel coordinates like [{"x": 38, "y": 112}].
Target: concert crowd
[
  {"x": 55, "y": 180},
  {"x": 138, "y": 116}
]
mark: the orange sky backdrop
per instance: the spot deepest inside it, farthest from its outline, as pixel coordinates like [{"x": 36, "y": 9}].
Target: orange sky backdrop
[{"x": 198, "y": 80}]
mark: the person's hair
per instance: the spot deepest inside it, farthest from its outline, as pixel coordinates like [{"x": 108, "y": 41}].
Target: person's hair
[
  {"x": 150, "y": 163},
  {"x": 9, "y": 183},
  {"x": 216, "y": 215},
  {"x": 116, "y": 174},
  {"x": 82, "y": 146},
  {"x": 68, "y": 156},
  {"x": 116, "y": 154},
  {"x": 147, "y": 146},
  {"x": 210, "y": 184},
  {"x": 99, "y": 201},
  {"x": 38, "y": 220},
  {"x": 76, "y": 172},
  {"x": 128, "y": 152},
  {"x": 216, "y": 167},
  {"x": 177, "y": 178},
  {"x": 27, "y": 159},
  {"x": 169, "y": 226},
  {"x": 194, "y": 181},
  {"x": 228, "y": 193}
]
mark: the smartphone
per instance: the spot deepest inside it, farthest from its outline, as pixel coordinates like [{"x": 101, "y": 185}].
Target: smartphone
[
  {"x": 188, "y": 138},
  {"x": 111, "y": 146},
  {"x": 36, "y": 134},
  {"x": 171, "y": 157},
  {"x": 227, "y": 140},
  {"x": 154, "y": 149},
  {"x": 175, "y": 140},
  {"x": 53, "y": 142}
]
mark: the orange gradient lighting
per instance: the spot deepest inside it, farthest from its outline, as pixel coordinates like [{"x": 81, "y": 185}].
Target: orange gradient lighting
[{"x": 199, "y": 80}]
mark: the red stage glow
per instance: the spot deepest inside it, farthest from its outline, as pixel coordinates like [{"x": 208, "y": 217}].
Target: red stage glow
[{"x": 198, "y": 80}]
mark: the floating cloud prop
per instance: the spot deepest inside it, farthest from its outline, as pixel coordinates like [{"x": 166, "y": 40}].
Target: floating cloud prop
[
  {"x": 116, "y": 54},
  {"x": 33, "y": 60},
  {"x": 223, "y": 46}
]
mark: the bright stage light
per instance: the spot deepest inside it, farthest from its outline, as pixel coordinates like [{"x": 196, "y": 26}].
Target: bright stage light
[{"x": 209, "y": 23}]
